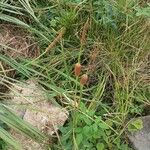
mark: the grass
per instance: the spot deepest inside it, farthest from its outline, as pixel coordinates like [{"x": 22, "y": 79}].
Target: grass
[{"x": 110, "y": 41}]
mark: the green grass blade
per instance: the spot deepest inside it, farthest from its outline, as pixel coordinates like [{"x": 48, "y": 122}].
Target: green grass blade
[{"x": 9, "y": 139}]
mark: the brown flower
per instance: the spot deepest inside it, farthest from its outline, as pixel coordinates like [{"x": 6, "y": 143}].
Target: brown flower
[
  {"x": 84, "y": 79},
  {"x": 77, "y": 69}
]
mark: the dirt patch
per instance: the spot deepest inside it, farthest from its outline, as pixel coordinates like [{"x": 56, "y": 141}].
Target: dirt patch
[{"x": 17, "y": 43}]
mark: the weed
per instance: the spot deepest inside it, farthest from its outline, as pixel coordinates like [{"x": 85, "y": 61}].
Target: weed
[{"x": 108, "y": 44}]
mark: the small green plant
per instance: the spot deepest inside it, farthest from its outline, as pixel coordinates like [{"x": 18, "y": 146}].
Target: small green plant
[
  {"x": 3, "y": 145},
  {"x": 135, "y": 125},
  {"x": 143, "y": 11},
  {"x": 89, "y": 132}
]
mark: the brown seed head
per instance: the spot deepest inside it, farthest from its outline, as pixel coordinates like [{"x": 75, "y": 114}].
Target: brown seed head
[
  {"x": 84, "y": 79},
  {"x": 84, "y": 32},
  {"x": 77, "y": 69}
]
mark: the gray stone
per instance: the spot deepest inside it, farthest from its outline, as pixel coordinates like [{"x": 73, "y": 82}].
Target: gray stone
[{"x": 140, "y": 140}]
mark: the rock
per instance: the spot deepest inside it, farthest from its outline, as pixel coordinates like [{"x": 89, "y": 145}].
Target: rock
[
  {"x": 141, "y": 139},
  {"x": 29, "y": 101},
  {"x": 26, "y": 143}
]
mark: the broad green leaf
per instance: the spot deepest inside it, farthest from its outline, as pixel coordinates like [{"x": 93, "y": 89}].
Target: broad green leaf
[
  {"x": 79, "y": 138},
  {"x": 143, "y": 11},
  {"x": 103, "y": 126},
  {"x": 95, "y": 127},
  {"x": 135, "y": 125},
  {"x": 78, "y": 130},
  {"x": 86, "y": 130},
  {"x": 100, "y": 146},
  {"x": 87, "y": 120}
]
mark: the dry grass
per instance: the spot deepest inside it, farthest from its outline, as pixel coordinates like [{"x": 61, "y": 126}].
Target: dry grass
[{"x": 17, "y": 43}]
